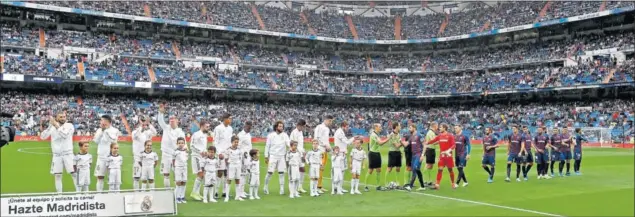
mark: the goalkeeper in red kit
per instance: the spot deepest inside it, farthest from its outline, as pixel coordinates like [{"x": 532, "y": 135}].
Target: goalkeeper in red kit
[{"x": 446, "y": 144}]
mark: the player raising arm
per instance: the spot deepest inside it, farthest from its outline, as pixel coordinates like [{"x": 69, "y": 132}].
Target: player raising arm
[
  {"x": 140, "y": 135},
  {"x": 446, "y": 144},
  {"x": 104, "y": 137},
  {"x": 61, "y": 134},
  {"x": 168, "y": 143},
  {"x": 490, "y": 143}
]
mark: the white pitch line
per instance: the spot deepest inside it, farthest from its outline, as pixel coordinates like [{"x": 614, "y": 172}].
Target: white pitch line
[{"x": 419, "y": 193}]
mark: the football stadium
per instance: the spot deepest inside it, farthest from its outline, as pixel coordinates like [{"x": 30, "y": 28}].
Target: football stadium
[{"x": 321, "y": 108}]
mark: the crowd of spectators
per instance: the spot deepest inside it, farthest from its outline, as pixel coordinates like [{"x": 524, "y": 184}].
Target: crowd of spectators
[
  {"x": 33, "y": 109},
  {"x": 472, "y": 16}
]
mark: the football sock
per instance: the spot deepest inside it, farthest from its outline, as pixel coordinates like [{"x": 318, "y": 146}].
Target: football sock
[
  {"x": 420, "y": 175},
  {"x": 58, "y": 183},
  {"x": 197, "y": 185},
  {"x": 486, "y": 168},
  {"x": 560, "y": 166},
  {"x": 206, "y": 193},
  {"x": 524, "y": 170},
  {"x": 517, "y": 171},
  {"x": 100, "y": 184},
  {"x": 386, "y": 177},
  {"x": 74, "y": 177},
  {"x": 509, "y": 169},
  {"x": 144, "y": 186},
  {"x": 152, "y": 185},
  {"x": 439, "y": 176},
  {"x": 378, "y": 179},
  {"x": 451, "y": 175},
  {"x": 301, "y": 180},
  {"x": 568, "y": 166},
  {"x": 166, "y": 181},
  {"x": 553, "y": 163},
  {"x": 320, "y": 179},
  {"x": 527, "y": 169},
  {"x": 135, "y": 184},
  {"x": 281, "y": 181}
]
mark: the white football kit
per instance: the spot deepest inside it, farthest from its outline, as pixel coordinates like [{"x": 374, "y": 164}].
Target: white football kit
[
  {"x": 337, "y": 162},
  {"x": 198, "y": 144},
  {"x": 222, "y": 140},
  {"x": 168, "y": 143},
  {"x": 234, "y": 158},
  {"x": 254, "y": 173},
  {"x": 82, "y": 162},
  {"x": 180, "y": 165},
  {"x": 61, "y": 147},
  {"x": 275, "y": 150},
  {"x": 210, "y": 166},
  {"x": 114, "y": 163},
  {"x": 139, "y": 138},
  {"x": 295, "y": 160},
  {"x": 314, "y": 159},
  {"x": 147, "y": 161},
  {"x": 104, "y": 138},
  {"x": 357, "y": 156}
]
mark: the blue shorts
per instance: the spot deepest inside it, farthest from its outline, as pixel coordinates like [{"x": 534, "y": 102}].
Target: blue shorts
[
  {"x": 489, "y": 160},
  {"x": 528, "y": 157},
  {"x": 542, "y": 158},
  {"x": 416, "y": 162},
  {"x": 566, "y": 155},
  {"x": 514, "y": 158},
  {"x": 556, "y": 156},
  {"x": 577, "y": 155},
  {"x": 460, "y": 161}
]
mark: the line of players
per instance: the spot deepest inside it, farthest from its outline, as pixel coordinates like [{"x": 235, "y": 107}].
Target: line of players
[{"x": 239, "y": 165}]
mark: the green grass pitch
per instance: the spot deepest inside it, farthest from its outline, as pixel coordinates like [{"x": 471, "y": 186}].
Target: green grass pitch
[{"x": 605, "y": 189}]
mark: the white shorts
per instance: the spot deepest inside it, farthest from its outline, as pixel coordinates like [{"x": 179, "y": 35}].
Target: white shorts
[
  {"x": 356, "y": 168},
  {"x": 114, "y": 176},
  {"x": 314, "y": 171},
  {"x": 61, "y": 162},
  {"x": 147, "y": 173},
  {"x": 233, "y": 172},
  {"x": 254, "y": 179},
  {"x": 166, "y": 164},
  {"x": 196, "y": 163},
  {"x": 100, "y": 167},
  {"x": 210, "y": 178},
  {"x": 180, "y": 174},
  {"x": 136, "y": 170},
  {"x": 83, "y": 177},
  {"x": 276, "y": 163},
  {"x": 222, "y": 164},
  {"x": 337, "y": 174},
  {"x": 294, "y": 173}
]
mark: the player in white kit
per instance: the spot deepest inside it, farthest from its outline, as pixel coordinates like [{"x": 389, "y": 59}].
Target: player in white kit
[
  {"x": 83, "y": 160},
  {"x": 244, "y": 144},
  {"x": 180, "y": 169},
  {"x": 148, "y": 160},
  {"x": 254, "y": 174},
  {"x": 234, "y": 160},
  {"x": 314, "y": 159},
  {"x": 144, "y": 132},
  {"x": 61, "y": 134},
  {"x": 340, "y": 140},
  {"x": 114, "y": 162},
  {"x": 358, "y": 155},
  {"x": 337, "y": 164},
  {"x": 168, "y": 143},
  {"x": 321, "y": 134},
  {"x": 298, "y": 135},
  {"x": 209, "y": 165},
  {"x": 104, "y": 137},
  {"x": 294, "y": 160},
  {"x": 275, "y": 149},
  {"x": 198, "y": 145},
  {"x": 222, "y": 140}
]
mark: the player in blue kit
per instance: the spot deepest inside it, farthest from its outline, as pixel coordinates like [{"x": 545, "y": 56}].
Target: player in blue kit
[
  {"x": 555, "y": 143},
  {"x": 567, "y": 142},
  {"x": 542, "y": 154},
  {"x": 490, "y": 143},
  {"x": 528, "y": 157},
  {"x": 514, "y": 147},
  {"x": 462, "y": 151},
  {"x": 577, "y": 150}
]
